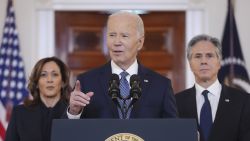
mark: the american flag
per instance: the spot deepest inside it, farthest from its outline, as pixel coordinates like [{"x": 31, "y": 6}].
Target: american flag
[
  {"x": 233, "y": 71},
  {"x": 12, "y": 76}
]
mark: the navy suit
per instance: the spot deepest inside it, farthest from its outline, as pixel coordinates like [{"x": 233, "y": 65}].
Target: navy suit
[
  {"x": 157, "y": 100},
  {"x": 232, "y": 121}
]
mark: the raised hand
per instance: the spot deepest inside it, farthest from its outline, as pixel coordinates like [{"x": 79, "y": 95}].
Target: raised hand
[{"x": 78, "y": 99}]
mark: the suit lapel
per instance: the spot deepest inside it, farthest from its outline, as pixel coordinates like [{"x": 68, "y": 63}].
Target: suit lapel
[
  {"x": 223, "y": 103},
  {"x": 104, "y": 78},
  {"x": 222, "y": 110},
  {"x": 145, "y": 84},
  {"x": 194, "y": 112},
  {"x": 193, "y": 106},
  {"x": 145, "y": 80}
]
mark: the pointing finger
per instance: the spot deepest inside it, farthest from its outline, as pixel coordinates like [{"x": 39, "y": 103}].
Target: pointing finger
[{"x": 77, "y": 86}]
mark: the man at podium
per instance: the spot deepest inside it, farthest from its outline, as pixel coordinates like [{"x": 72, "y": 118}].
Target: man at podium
[{"x": 110, "y": 92}]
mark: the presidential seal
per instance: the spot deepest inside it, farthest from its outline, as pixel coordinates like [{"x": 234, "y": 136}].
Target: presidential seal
[{"x": 124, "y": 137}]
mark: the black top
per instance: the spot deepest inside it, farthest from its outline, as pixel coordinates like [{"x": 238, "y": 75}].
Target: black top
[{"x": 33, "y": 123}]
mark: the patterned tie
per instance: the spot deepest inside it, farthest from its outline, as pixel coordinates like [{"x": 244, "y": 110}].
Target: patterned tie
[
  {"x": 124, "y": 91},
  {"x": 206, "y": 116}
]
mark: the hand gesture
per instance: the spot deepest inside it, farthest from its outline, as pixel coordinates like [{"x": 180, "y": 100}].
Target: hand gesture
[{"x": 78, "y": 99}]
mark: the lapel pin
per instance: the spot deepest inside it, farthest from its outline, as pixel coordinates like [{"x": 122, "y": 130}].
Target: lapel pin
[
  {"x": 145, "y": 80},
  {"x": 227, "y": 100}
]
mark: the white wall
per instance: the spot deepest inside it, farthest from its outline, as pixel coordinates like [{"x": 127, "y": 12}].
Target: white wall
[
  {"x": 216, "y": 10},
  {"x": 215, "y": 13},
  {"x": 25, "y": 21}
]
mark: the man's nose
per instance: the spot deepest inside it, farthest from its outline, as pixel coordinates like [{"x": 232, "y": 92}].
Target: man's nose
[
  {"x": 203, "y": 60},
  {"x": 117, "y": 40}
]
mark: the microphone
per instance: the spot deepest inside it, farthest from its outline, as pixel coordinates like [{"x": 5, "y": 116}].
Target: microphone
[
  {"x": 135, "y": 91},
  {"x": 135, "y": 84},
  {"x": 114, "y": 90}
]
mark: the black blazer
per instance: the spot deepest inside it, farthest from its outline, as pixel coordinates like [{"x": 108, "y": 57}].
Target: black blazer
[
  {"x": 157, "y": 100},
  {"x": 33, "y": 123},
  {"x": 232, "y": 121}
]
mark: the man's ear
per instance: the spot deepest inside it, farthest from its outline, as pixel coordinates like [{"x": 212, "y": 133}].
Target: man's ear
[{"x": 140, "y": 42}]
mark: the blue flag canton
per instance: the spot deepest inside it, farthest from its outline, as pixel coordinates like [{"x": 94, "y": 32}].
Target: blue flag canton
[
  {"x": 233, "y": 70},
  {"x": 12, "y": 75}
]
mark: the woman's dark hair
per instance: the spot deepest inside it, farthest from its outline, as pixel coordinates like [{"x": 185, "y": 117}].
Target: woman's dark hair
[{"x": 35, "y": 76}]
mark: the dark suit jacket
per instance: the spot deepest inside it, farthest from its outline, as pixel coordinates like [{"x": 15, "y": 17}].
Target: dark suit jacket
[
  {"x": 157, "y": 100},
  {"x": 33, "y": 123},
  {"x": 232, "y": 121}
]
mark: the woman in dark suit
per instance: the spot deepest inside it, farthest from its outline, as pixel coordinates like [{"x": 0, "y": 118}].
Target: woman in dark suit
[{"x": 49, "y": 87}]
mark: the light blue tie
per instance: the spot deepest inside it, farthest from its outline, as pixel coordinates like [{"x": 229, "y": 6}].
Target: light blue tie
[
  {"x": 206, "y": 116},
  {"x": 124, "y": 91}
]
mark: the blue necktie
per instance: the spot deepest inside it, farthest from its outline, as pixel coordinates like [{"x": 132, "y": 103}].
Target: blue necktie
[
  {"x": 206, "y": 116},
  {"x": 124, "y": 91}
]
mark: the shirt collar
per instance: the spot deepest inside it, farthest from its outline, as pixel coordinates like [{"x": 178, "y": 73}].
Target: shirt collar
[
  {"x": 214, "y": 89},
  {"x": 133, "y": 69}
]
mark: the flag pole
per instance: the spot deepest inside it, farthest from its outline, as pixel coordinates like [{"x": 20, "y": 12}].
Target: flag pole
[{"x": 231, "y": 45}]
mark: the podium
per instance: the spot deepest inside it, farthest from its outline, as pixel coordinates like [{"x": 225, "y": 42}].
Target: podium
[{"x": 124, "y": 130}]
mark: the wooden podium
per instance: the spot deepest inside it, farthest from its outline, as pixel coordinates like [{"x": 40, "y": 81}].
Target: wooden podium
[{"x": 124, "y": 130}]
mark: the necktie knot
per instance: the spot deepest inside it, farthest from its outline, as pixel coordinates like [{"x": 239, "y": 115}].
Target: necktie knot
[
  {"x": 124, "y": 74},
  {"x": 205, "y": 93}
]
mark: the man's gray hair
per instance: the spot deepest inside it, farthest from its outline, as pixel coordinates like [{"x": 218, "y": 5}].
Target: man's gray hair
[
  {"x": 204, "y": 37},
  {"x": 140, "y": 25}
]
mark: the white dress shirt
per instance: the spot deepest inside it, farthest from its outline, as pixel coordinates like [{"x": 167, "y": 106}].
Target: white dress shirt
[
  {"x": 133, "y": 69},
  {"x": 213, "y": 96}
]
